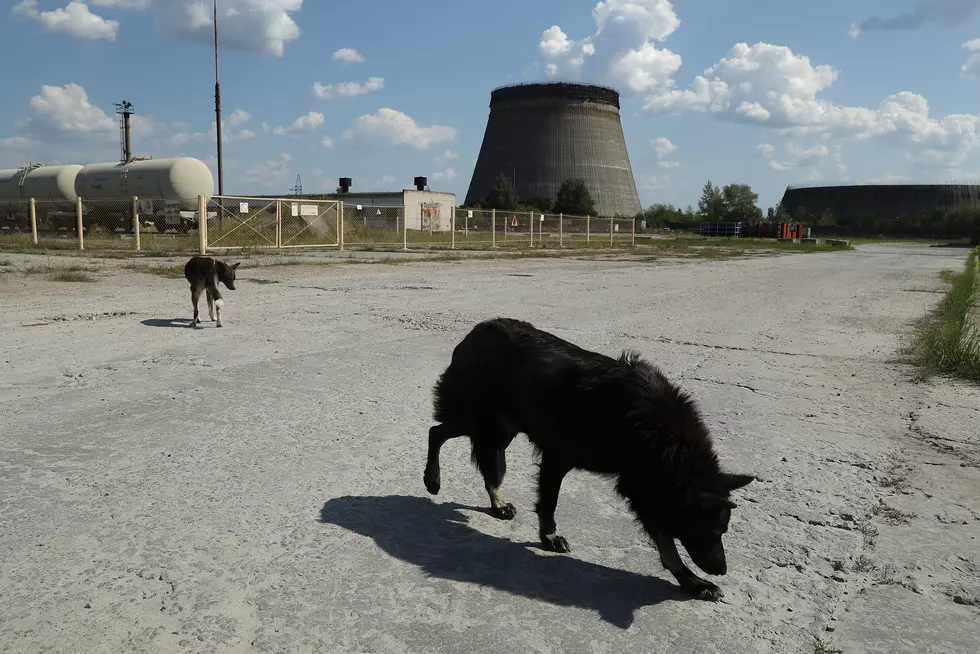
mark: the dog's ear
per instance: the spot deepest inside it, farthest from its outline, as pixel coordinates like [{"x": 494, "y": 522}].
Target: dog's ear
[
  {"x": 236, "y": 264},
  {"x": 713, "y": 501},
  {"x": 730, "y": 482}
]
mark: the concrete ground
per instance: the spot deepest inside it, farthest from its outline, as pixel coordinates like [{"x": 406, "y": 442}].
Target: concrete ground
[{"x": 259, "y": 487}]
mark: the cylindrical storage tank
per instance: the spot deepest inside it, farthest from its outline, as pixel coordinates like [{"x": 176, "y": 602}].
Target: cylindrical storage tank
[
  {"x": 888, "y": 200},
  {"x": 179, "y": 178},
  {"x": 540, "y": 135},
  {"x": 44, "y": 184}
]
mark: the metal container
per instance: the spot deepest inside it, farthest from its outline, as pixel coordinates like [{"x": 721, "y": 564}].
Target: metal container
[
  {"x": 41, "y": 182},
  {"x": 178, "y": 178}
]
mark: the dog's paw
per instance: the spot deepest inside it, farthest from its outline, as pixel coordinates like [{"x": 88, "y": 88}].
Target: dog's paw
[
  {"x": 505, "y": 512},
  {"x": 432, "y": 483},
  {"x": 705, "y": 590},
  {"x": 555, "y": 543}
]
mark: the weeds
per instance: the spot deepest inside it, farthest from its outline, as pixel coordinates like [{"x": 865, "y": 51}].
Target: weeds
[
  {"x": 72, "y": 276},
  {"x": 169, "y": 272},
  {"x": 863, "y": 564},
  {"x": 948, "y": 340}
]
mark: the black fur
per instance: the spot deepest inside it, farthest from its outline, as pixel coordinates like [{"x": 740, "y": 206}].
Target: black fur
[
  {"x": 204, "y": 273},
  {"x": 585, "y": 410}
]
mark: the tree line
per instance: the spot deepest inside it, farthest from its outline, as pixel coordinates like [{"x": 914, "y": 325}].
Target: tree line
[{"x": 739, "y": 203}]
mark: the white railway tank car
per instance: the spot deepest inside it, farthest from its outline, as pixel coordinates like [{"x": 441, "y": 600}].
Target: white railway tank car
[{"x": 168, "y": 191}]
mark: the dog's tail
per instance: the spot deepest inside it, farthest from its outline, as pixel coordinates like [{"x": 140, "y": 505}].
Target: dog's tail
[{"x": 212, "y": 285}]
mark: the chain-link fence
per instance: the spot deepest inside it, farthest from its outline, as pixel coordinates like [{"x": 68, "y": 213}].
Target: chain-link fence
[{"x": 173, "y": 225}]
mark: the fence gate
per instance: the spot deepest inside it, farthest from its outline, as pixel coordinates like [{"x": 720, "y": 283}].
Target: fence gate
[
  {"x": 241, "y": 222},
  {"x": 309, "y": 223}
]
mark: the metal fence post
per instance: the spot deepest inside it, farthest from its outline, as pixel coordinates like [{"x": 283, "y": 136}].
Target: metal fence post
[
  {"x": 136, "y": 221},
  {"x": 202, "y": 224},
  {"x": 33, "y": 220},
  {"x": 405, "y": 226},
  {"x": 452, "y": 228},
  {"x": 612, "y": 223},
  {"x": 561, "y": 230},
  {"x": 279, "y": 224},
  {"x": 340, "y": 217},
  {"x": 633, "y": 234},
  {"x": 588, "y": 233},
  {"x": 81, "y": 227},
  {"x": 493, "y": 228}
]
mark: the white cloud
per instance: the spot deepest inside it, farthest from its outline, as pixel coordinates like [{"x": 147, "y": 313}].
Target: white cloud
[
  {"x": 74, "y": 20},
  {"x": 770, "y": 85},
  {"x": 348, "y": 56},
  {"x": 347, "y": 89},
  {"x": 444, "y": 175},
  {"x": 17, "y": 143},
  {"x": 621, "y": 53},
  {"x": 948, "y": 13},
  {"x": 302, "y": 125},
  {"x": 972, "y": 64},
  {"x": 270, "y": 172},
  {"x": 448, "y": 155},
  {"x": 327, "y": 142},
  {"x": 662, "y": 146},
  {"x": 764, "y": 150},
  {"x": 652, "y": 182},
  {"x": 229, "y": 133},
  {"x": 800, "y": 157},
  {"x": 669, "y": 164},
  {"x": 263, "y": 26},
  {"x": 67, "y": 110},
  {"x": 392, "y": 127}
]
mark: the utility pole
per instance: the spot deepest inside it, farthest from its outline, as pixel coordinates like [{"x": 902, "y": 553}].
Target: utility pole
[{"x": 217, "y": 102}]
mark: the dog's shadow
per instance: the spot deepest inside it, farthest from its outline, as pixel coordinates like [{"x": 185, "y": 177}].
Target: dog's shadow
[
  {"x": 436, "y": 538},
  {"x": 166, "y": 322}
]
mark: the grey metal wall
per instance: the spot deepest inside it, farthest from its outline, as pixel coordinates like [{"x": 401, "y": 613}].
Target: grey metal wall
[
  {"x": 886, "y": 200},
  {"x": 540, "y": 135}
]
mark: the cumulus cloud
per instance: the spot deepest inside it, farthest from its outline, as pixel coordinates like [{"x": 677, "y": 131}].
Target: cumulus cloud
[
  {"x": 348, "y": 56},
  {"x": 947, "y": 13},
  {"x": 764, "y": 149},
  {"x": 663, "y": 147},
  {"x": 271, "y": 172},
  {"x": 448, "y": 155},
  {"x": 66, "y": 110},
  {"x": 771, "y": 85},
  {"x": 302, "y": 125},
  {"x": 347, "y": 89},
  {"x": 263, "y": 26},
  {"x": 621, "y": 53},
  {"x": 327, "y": 142},
  {"x": 232, "y": 130},
  {"x": 972, "y": 65},
  {"x": 74, "y": 20},
  {"x": 444, "y": 175},
  {"x": 392, "y": 127}
]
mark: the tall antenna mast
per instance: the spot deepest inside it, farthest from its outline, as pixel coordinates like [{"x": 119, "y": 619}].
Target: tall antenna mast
[
  {"x": 298, "y": 187},
  {"x": 125, "y": 110},
  {"x": 217, "y": 102}
]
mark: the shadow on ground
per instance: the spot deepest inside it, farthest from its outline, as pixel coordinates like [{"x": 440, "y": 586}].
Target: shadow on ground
[
  {"x": 437, "y": 538},
  {"x": 166, "y": 322}
]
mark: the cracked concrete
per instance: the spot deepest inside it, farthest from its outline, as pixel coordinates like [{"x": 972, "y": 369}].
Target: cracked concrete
[{"x": 258, "y": 487}]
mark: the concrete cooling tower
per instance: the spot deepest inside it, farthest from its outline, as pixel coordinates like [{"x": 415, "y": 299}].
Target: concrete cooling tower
[{"x": 539, "y": 135}]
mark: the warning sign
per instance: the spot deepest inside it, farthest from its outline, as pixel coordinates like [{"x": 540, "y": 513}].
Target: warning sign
[{"x": 513, "y": 222}]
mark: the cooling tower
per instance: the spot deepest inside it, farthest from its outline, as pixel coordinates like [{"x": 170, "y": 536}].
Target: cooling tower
[
  {"x": 539, "y": 135},
  {"x": 887, "y": 200}
]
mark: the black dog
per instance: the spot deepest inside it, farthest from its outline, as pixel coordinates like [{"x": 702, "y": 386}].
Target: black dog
[
  {"x": 584, "y": 410},
  {"x": 204, "y": 273}
]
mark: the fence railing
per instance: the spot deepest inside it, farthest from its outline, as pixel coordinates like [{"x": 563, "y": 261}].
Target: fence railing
[{"x": 246, "y": 223}]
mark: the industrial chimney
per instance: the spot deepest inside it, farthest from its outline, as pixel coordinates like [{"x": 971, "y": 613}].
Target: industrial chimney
[
  {"x": 420, "y": 183},
  {"x": 345, "y": 184}
]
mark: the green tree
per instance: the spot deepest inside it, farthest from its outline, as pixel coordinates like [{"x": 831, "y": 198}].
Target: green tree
[
  {"x": 741, "y": 203},
  {"x": 574, "y": 198},
  {"x": 711, "y": 206},
  {"x": 826, "y": 218},
  {"x": 502, "y": 195},
  {"x": 543, "y": 205}
]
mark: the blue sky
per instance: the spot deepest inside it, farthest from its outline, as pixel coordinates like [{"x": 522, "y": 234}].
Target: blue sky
[{"x": 766, "y": 92}]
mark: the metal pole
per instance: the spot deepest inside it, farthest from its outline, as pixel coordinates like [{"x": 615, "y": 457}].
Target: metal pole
[
  {"x": 340, "y": 218},
  {"x": 493, "y": 228},
  {"x": 633, "y": 234},
  {"x": 588, "y": 233},
  {"x": 33, "y": 220},
  {"x": 452, "y": 228},
  {"x": 202, "y": 224},
  {"x": 405, "y": 226},
  {"x": 561, "y": 230},
  {"x": 81, "y": 227},
  {"x": 217, "y": 103},
  {"x": 612, "y": 222},
  {"x": 136, "y": 221}
]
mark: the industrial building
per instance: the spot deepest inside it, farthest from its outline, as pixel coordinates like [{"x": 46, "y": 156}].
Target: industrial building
[
  {"x": 887, "y": 200},
  {"x": 540, "y": 135},
  {"x": 419, "y": 207}
]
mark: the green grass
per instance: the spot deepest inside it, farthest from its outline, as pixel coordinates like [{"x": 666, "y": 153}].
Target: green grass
[
  {"x": 170, "y": 272},
  {"x": 948, "y": 340}
]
